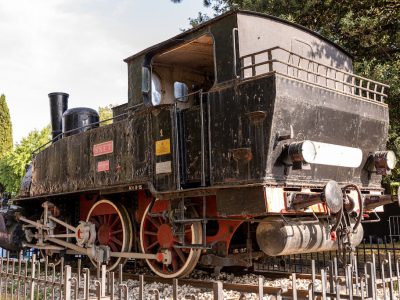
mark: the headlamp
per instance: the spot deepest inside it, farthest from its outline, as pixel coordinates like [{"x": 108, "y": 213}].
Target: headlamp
[
  {"x": 384, "y": 161},
  {"x": 302, "y": 151}
]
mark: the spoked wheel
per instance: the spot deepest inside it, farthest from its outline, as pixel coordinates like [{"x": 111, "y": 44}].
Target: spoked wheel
[
  {"x": 113, "y": 229},
  {"x": 156, "y": 234}
]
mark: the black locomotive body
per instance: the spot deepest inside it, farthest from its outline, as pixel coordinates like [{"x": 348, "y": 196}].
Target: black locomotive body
[{"x": 243, "y": 137}]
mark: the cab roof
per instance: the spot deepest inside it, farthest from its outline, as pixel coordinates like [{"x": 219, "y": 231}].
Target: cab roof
[{"x": 180, "y": 37}]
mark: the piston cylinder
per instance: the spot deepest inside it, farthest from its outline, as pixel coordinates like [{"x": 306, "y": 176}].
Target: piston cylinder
[{"x": 276, "y": 237}]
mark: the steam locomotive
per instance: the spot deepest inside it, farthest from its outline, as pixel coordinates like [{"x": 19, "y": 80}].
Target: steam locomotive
[{"x": 247, "y": 136}]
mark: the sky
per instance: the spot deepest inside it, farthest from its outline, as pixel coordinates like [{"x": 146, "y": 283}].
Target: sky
[{"x": 77, "y": 47}]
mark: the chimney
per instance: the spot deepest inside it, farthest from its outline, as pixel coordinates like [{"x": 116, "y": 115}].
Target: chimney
[{"x": 58, "y": 105}]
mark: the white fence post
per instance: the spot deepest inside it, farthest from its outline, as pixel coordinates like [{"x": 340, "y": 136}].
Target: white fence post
[
  {"x": 103, "y": 280},
  {"x": 33, "y": 271},
  {"x": 67, "y": 283}
]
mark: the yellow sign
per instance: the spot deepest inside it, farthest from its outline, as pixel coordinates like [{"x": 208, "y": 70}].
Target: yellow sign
[{"x": 163, "y": 147}]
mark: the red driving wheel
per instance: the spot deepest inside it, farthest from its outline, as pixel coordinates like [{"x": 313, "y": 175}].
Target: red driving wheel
[
  {"x": 113, "y": 229},
  {"x": 156, "y": 234}
]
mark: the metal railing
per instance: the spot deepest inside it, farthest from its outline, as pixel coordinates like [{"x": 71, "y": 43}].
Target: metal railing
[
  {"x": 371, "y": 248},
  {"x": 394, "y": 226},
  {"x": 35, "y": 279},
  {"x": 23, "y": 279},
  {"x": 280, "y": 60},
  {"x": 54, "y": 139}
]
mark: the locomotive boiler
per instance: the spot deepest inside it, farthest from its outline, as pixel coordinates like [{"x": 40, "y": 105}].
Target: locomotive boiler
[{"x": 244, "y": 137}]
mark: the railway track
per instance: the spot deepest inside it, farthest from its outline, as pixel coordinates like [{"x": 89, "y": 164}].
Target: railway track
[
  {"x": 218, "y": 286},
  {"x": 313, "y": 286},
  {"x": 295, "y": 292}
]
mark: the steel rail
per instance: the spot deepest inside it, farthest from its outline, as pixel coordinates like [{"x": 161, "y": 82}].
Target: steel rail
[
  {"x": 245, "y": 288},
  {"x": 204, "y": 284}
]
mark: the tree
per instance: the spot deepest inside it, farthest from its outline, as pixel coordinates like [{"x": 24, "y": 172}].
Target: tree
[
  {"x": 13, "y": 164},
  {"x": 368, "y": 29},
  {"x": 6, "y": 140},
  {"x": 106, "y": 113}
]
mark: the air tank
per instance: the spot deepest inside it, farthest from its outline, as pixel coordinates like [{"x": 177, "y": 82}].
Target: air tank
[
  {"x": 58, "y": 105},
  {"x": 276, "y": 237},
  {"x": 79, "y": 119}
]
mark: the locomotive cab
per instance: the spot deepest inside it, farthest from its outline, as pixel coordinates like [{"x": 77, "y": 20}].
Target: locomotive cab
[
  {"x": 184, "y": 69},
  {"x": 175, "y": 84}
]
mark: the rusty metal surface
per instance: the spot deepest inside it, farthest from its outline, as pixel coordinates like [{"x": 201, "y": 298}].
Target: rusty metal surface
[
  {"x": 70, "y": 166},
  {"x": 244, "y": 201},
  {"x": 310, "y": 112},
  {"x": 119, "y": 112},
  {"x": 246, "y": 121},
  {"x": 321, "y": 115},
  {"x": 165, "y": 168},
  {"x": 191, "y": 147},
  {"x": 234, "y": 125},
  {"x": 135, "y": 81}
]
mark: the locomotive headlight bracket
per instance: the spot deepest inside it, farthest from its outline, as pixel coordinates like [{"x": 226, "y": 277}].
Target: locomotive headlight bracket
[
  {"x": 332, "y": 197},
  {"x": 382, "y": 162}
]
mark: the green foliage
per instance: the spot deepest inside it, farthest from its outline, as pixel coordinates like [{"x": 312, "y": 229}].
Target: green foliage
[
  {"x": 368, "y": 29},
  {"x": 105, "y": 113},
  {"x": 6, "y": 140},
  {"x": 13, "y": 164},
  {"x": 200, "y": 19}
]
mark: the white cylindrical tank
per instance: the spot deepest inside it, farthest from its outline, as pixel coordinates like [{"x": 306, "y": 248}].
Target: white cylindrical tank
[{"x": 276, "y": 237}]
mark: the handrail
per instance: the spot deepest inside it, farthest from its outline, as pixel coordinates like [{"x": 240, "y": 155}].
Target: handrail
[
  {"x": 320, "y": 75},
  {"x": 356, "y": 85},
  {"x": 34, "y": 152}
]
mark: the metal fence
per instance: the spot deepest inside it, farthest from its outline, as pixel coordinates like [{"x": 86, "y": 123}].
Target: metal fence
[
  {"x": 22, "y": 278},
  {"x": 34, "y": 279},
  {"x": 371, "y": 247},
  {"x": 394, "y": 227}
]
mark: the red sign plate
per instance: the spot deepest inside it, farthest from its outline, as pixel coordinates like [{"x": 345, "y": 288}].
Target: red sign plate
[
  {"x": 103, "y": 148},
  {"x": 103, "y": 166}
]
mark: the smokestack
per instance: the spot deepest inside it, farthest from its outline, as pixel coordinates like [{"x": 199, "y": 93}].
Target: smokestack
[{"x": 58, "y": 105}]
